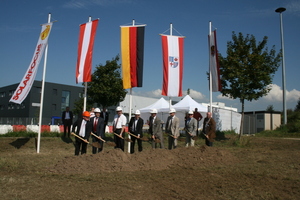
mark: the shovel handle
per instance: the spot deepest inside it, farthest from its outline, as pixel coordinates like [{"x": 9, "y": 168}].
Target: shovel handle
[
  {"x": 80, "y": 137},
  {"x": 119, "y": 136},
  {"x": 133, "y": 135},
  {"x": 98, "y": 137}
]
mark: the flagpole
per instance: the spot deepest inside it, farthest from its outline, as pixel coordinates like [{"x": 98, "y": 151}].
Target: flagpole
[
  {"x": 210, "y": 78},
  {"x": 42, "y": 95},
  {"x": 171, "y": 33},
  {"x": 85, "y": 84},
  {"x": 130, "y": 102}
]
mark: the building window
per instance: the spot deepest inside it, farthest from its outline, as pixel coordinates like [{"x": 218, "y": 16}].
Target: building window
[
  {"x": 22, "y": 105},
  {"x": 53, "y": 106},
  {"x": 65, "y": 99},
  {"x": 11, "y": 92},
  {"x": 2, "y": 94},
  {"x": 54, "y": 91},
  {"x": 2, "y": 107}
]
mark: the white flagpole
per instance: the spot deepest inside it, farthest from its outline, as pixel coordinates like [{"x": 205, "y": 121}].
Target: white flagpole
[
  {"x": 210, "y": 78},
  {"x": 85, "y": 84},
  {"x": 130, "y": 103},
  {"x": 42, "y": 94},
  {"x": 171, "y": 33}
]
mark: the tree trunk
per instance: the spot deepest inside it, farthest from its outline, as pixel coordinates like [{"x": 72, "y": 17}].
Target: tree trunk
[{"x": 242, "y": 119}]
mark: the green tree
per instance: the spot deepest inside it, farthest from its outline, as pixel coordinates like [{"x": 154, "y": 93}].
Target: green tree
[
  {"x": 248, "y": 69},
  {"x": 106, "y": 88},
  {"x": 297, "y": 109},
  {"x": 270, "y": 108}
]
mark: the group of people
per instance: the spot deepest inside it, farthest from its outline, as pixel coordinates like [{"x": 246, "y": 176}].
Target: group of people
[{"x": 93, "y": 124}]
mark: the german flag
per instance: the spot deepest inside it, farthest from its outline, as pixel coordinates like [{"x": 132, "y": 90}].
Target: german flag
[{"x": 132, "y": 53}]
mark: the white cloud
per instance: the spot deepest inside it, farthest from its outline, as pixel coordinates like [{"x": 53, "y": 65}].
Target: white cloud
[
  {"x": 293, "y": 7},
  {"x": 275, "y": 94},
  {"x": 195, "y": 94}
]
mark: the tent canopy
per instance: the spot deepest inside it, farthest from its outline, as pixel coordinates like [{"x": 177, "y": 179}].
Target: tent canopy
[
  {"x": 159, "y": 105},
  {"x": 186, "y": 104}
]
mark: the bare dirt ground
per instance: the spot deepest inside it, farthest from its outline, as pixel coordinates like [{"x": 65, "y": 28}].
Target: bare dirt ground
[{"x": 266, "y": 168}]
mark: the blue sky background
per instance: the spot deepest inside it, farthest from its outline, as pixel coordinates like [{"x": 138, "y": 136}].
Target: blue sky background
[{"x": 20, "y": 28}]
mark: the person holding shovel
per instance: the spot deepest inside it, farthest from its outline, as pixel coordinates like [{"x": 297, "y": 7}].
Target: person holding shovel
[
  {"x": 209, "y": 129},
  {"x": 119, "y": 124},
  {"x": 155, "y": 130},
  {"x": 136, "y": 128},
  {"x": 190, "y": 129},
  {"x": 84, "y": 128},
  {"x": 172, "y": 129},
  {"x": 98, "y": 124}
]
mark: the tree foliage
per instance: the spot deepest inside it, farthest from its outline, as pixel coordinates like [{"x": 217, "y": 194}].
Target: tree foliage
[
  {"x": 248, "y": 69},
  {"x": 106, "y": 88}
]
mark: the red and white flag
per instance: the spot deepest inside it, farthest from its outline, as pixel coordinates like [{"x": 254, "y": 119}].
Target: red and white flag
[
  {"x": 85, "y": 51},
  {"x": 25, "y": 85},
  {"x": 172, "y": 47},
  {"x": 214, "y": 63}
]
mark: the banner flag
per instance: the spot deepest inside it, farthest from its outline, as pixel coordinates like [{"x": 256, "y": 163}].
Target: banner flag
[
  {"x": 214, "y": 63},
  {"x": 172, "y": 48},
  {"x": 132, "y": 53},
  {"x": 87, "y": 34},
  {"x": 26, "y": 83}
]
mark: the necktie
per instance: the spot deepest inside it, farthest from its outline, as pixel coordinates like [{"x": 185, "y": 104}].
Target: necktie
[{"x": 95, "y": 124}]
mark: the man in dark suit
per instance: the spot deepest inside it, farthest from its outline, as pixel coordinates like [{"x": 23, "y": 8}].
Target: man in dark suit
[
  {"x": 104, "y": 115},
  {"x": 84, "y": 128},
  {"x": 136, "y": 128},
  {"x": 98, "y": 130},
  {"x": 67, "y": 120}
]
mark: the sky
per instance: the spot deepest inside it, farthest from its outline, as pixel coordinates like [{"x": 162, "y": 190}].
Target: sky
[{"x": 20, "y": 28}]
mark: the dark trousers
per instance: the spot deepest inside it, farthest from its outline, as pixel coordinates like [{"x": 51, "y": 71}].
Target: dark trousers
[
  {"x": 171, "y": 143},
  {"x": 94, "y": 149},
  {"x": 119, "y": 141},
  {"x": 67, "y": 127},
  {"x": 139, "y": 142},
  {"x": 79, "y": 143},
  {"x": 208, "y": 143}
]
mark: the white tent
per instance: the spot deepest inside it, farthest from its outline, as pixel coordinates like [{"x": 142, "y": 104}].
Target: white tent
[
  {"x": 159, "y": 105},
  {"x": 186, "y": 104}
]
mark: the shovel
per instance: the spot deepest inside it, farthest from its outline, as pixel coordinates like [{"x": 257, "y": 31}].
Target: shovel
[
  {"x": 143, "y": 138},
  {"x": 109, "y": 143},
  {"x": 94, "y": 144},
  {"x": 179, "y": 139},
  {"x": 127, "y": 139}
]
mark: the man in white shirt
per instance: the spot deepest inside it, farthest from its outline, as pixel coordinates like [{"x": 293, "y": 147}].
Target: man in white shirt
[{"x": 119, "y": 124}]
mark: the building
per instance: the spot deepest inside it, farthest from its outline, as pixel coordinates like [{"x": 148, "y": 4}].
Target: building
[
  {"x": 257, "y": 121},
  {"x": 56, "y": 98}
]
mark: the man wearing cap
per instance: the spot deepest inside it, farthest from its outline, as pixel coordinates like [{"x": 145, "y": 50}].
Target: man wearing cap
[
  {"x": 209, "y": 129},
  {"x": 98, "y": 130},
  {"x": 136, "y": 128},
  {"x": 155, "y": 129},
  {"x": 190, "y": 129},
  {"x": 84, "y": 128},
  {"x": 119, "y": 124},
  {"x": 172, "y": 129}
]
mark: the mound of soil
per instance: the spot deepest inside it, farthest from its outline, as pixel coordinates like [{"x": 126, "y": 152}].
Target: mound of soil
[{"x": 155, "y": 159}]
